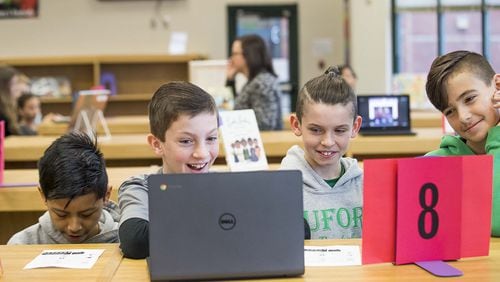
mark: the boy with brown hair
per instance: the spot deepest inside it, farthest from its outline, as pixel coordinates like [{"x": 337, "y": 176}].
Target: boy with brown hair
[
  {"x": 184, "y": 133},
  {"x": 466, "y": 89}
]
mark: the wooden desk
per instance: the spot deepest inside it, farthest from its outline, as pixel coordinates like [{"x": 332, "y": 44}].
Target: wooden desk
[
  {"x": 131, "y": 149},
  {"x": 14, "y": 258},
  {"x": 475, "y": 269},
  {"x": 140, "y": 123},
  {"x": 116, "y": 125},
  {"x": 21, "y": 207},
  {"x": 419, "y": 119},
  {"x": 111, "y": 266}
]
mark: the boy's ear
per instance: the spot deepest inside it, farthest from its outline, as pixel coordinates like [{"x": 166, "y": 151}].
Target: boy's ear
[
  {"x": 108, "y": 193},
  {"x": 155, "y": 144},
  {"x": 295, "y": 125},
  {"x": 42, "y": 195},
  {"x": 356, "y": 126}
]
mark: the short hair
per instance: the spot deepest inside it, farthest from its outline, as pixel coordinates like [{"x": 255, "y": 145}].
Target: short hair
[
  {"x": 23, "y": 99},
  {"x": 329, "y": 88},
  {"x": 446, "y": 66},
  {"x": 256, "y": 55},
  {"x": 173, "y": 99},
  {"x": 72, "y": 166}
]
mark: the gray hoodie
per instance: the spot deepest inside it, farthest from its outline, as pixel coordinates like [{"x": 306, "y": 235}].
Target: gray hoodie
[
  {"x": 44, "y": 232},
  {"x": 332, "y": 212}
]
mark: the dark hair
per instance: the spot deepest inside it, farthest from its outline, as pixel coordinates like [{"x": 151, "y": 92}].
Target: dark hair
[
  {"x": 256, "y": 55},
  {"x": 329, "y": 88},
  {"x": 72, "y": 166},
  {"x": 446, "y": 66},
  {"x": 7, "y": 105},
  {"x": 173, "y": 99},
  {"x": 25, "y": 97},
  {"x": 347, "y": 67}
]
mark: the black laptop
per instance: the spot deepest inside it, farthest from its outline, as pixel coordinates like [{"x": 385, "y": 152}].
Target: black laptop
[
  {"x": 226, "y": 225},
  {"x": 385, "y": 114}
]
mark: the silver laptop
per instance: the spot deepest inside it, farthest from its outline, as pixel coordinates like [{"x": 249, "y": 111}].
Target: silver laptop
[
  {"x": 385, "y": 114},
  {"x": 226, "y": 225}
]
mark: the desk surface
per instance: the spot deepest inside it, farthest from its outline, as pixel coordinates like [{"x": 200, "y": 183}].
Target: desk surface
[
  {"x": 140, "y": 124},
  {"x": 24, "y": 199},
  {"x": 276, "y": 143},
  {"x": 111, "y": 266}
]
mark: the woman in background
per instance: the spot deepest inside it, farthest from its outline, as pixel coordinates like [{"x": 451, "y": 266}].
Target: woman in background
[
  {"x": 11, "y": 87},
  {"x": 261, "y": 93}
]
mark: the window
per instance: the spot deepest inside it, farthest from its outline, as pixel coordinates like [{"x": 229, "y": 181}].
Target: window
[{"x": 424, "y": 29}]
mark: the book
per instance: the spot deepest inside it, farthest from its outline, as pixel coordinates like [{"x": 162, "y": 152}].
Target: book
[{"x": 242, "y": 141}]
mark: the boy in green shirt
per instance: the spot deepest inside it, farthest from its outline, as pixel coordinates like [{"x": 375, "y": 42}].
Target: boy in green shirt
[{"x": 466, "y": 89}]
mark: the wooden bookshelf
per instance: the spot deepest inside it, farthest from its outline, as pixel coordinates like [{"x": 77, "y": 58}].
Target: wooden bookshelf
[{"x": 137, "y": 77}]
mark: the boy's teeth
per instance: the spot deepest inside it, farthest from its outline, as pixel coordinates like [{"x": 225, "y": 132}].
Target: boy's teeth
[{"x": 196, "y": 166}]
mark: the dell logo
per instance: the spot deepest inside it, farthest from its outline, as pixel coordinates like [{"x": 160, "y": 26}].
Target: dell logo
[{"x": 227, "y": 221}]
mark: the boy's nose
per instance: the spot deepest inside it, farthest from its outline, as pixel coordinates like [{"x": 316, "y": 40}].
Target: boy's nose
[
  {"x": 74, "y": 225},
  {"x": 464, "y": 115},
  {"x": 328, "y": 140},
  {"x": 201, "y": 152}
]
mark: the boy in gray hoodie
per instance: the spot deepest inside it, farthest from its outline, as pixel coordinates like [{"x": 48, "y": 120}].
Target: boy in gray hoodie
[
  {"x": 74, "y": 187},
  {"x": 326, "y": 119}
]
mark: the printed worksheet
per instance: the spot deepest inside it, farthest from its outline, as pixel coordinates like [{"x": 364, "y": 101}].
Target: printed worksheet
[{"x": 76, "y": 258}]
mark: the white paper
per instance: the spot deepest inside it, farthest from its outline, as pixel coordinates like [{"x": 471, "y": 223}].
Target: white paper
[
  {"x": 332, "y": 255},
  {"x": 74, "y": 258},
  {"x": 178, "y": 43}
]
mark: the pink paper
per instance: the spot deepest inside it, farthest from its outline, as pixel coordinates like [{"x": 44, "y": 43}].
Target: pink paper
[
  {"x": 429, "y": 196},
  {"x": 379, "y": 211}
]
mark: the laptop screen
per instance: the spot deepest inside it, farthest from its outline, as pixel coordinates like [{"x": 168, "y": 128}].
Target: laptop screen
[{"x": 384, "y": 112}]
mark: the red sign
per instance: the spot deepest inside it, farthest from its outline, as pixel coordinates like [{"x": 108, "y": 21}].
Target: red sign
[{"x": 433, "y": 208}]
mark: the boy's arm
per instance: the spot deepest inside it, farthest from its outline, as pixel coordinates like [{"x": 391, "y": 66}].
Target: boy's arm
[
  {"x": 493, "y": 148},
  {"x": 134, "y": 238},
  {"x": 134, "y": 222}
]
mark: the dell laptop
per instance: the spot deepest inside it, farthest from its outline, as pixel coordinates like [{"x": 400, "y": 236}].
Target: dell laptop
[
  {"x": 226, "y": 225},
  {"x": 385, "y": 114}
]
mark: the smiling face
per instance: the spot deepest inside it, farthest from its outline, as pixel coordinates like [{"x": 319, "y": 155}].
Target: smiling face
[
  {"x": 470, "y": 109},
  {"x": 78, "y": 220},
  {"x": 191, "y": 144},
  {"x": 326, "y": 131}
]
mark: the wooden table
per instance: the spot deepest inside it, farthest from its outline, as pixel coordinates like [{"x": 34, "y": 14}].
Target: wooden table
[
  {"x": 116, "y": 125},
  {"x": 133, "y": 150},
  {"x": 140, "y": 123},
  {"x": 111, "y": 267},
  {"x": 21, "y": 207}
]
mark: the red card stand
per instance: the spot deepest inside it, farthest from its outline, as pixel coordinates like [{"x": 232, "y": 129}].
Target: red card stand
[{"x": 427, "y": 209}]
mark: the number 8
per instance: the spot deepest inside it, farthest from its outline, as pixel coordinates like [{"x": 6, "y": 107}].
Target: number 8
[{"x": 428, "y": 209}]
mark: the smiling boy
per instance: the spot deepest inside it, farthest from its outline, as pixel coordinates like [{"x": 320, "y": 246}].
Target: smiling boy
[
  {"x": 74, "y": 187},
  {"x": 326, "y": 119},
  {"x": 184, "y": 133},
  {"x": 466, "y": 89}
]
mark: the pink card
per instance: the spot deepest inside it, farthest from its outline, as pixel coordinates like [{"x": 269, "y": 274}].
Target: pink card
[
  {"x": 429, "y": 209},
  {"x": 476, "y": 205},
  {"x": 379, "y": 211}
]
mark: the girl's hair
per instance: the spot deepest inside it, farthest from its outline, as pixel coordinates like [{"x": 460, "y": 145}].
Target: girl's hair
[
  {"x": 256, "y": 55},
  {"x": 329, "y": 88},
  {"x": 7, "y": 104}
]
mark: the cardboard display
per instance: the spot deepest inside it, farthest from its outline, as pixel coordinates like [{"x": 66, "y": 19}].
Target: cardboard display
[{"x": 424, "y": 209}]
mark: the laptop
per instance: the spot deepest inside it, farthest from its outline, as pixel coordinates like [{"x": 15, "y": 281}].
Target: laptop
[
  {"x": 226, "y": 225},
  {"x": 385, "y": 114}
]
